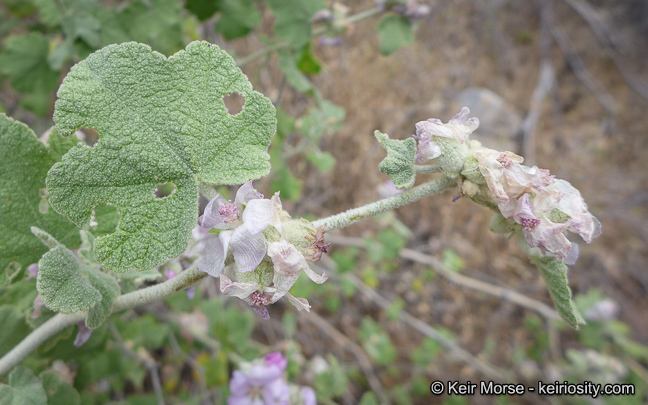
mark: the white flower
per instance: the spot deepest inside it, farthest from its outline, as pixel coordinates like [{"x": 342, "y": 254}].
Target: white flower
[{"x": 458, "y": 128}]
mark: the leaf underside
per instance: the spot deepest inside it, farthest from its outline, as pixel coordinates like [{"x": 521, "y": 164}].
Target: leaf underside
[{"x": 160, "y": 121}]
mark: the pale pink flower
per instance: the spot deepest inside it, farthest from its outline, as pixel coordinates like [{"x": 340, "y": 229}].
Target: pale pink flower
[{"x": 458, "y": 128}]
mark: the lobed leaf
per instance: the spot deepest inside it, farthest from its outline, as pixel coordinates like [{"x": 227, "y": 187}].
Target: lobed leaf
[
  {"x": 399, "y": 163},
  {"x": 160, "y": 121},
  {"x": 23, "y": 388},
  {"x": 24, "y": 162}
]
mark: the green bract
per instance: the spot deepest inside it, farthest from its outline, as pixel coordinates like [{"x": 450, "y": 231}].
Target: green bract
[
  {"x": 160, "y": 121},
  {"x": 399, "y": 163},
  {"x": 554, "y": 273},
  {"x": 24, "y": 162}
]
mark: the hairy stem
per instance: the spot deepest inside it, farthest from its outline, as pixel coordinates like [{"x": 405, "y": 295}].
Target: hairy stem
[
  {"x": 131, "y": 300},
  {"x": 192, "y": 275},
  {"x": 355, "y": 215}
]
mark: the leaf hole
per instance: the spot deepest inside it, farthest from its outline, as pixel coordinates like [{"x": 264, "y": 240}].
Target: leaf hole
[
  {"x": 104, "y": 219},
  {"x": 164, "y": 190},
  {"x": 234, "y": 103}
]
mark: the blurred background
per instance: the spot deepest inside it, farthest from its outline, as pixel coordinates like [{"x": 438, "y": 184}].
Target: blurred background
[{"x": 426, "y": 292}]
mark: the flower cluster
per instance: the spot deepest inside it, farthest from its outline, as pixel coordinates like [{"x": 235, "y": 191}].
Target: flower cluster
[
  {"x": 266, "y": 248},
  {"x": 263, "y": 382},
  {"x": 543, "y": 207}
]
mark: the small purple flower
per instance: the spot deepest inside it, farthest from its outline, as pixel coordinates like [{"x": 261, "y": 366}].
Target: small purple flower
[
  {"x": 261, "y": 384},
  {"x": 83, "y": 335},
  {"x": 308, "y": 395}
]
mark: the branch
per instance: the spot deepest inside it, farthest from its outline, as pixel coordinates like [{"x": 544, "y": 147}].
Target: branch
[
  {"x": 454, "y": 349},
  {"x": 464, "y": 281},
  {"x": 127, "y": 301},
  {"x": 355, "y": 215}
]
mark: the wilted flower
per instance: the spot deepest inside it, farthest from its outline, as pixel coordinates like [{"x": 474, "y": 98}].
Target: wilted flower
[
  {"x": 428, "y": 133},
  {"x": 545, "y": 207},
  {"x": 270, "y": 249}
]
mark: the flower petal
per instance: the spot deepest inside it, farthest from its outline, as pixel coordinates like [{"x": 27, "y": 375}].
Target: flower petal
[
  {"x": 214, "y": 254},
  {"x": 210, "y": 217},
  {"x": 239, "y": 290},
  {"x": 319, "y": 279},
  {"x": 249, "y": 249},
  {"x": 276, "y": 392},
  {"x": 239, "y": 384},
  {"x": 261, "y": 374},
  {"x": 83, "y": 335},
  {"x": 246, "y": 193},
  {"x": 258, "y": 215},
  {"x": 300, "y": 303}
]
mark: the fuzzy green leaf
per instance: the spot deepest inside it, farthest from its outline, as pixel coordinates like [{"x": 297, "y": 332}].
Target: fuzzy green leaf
[
  {"x": 399, "y": 163},
  {"x": 25, "y": 62},
  {"x": 63, "y": 284},
  {"x": 160, "y": 121},
  {"x": 24, "y": 162},
  {"x": 157, "y": 23},
  {"x": 109, "y": 290},
  {"x": 294, "y": 76},
  {"x": 554, "y": 273},
  {"x": 59, "y": 392},
  {"x": 394, "y": 31},
  {"x": 237, "y": 19},
  {"x": 13, "y": 328},
  {"x": 292, "y": 19},
  {"x": 23, "y": 388}
]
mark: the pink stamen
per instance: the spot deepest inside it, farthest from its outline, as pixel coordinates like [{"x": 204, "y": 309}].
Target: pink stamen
[
  {"x": 258, "y": 299},
  {"x": 505, "y": 161},
  {"x": 530, "y": 223},
  {"x": 229, "y": 212}
]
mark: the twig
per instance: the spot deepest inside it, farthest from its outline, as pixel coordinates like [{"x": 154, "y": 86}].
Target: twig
[
  {"x": 150, "y": 364},
  {"x": 577, "y": 65},
  {"x": 355, "y": 215},
  {"x": 465, "y": 281},
  {"x": 605, "y": 36},
  {"x": 363, "y": 360},
  {"x": 454, "y": 349}
]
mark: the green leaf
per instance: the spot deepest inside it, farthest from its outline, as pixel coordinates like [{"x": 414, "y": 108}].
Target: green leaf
[
  {"x": 203, "y": 9},
  {"x": 238, "y": 18},
  {"x": 324, "y": 120},
  {"x": 307, "y": 62},
  {"x": 554, "y": 273},
  {"x": 24, "y": 60},
  {"x": 376, "y": 342},
  {"x": 82, "y": 26},
  {"x": 294, "y": 76},
  {"x": 63, "y": 284},
  {"x": 160, "y": 121},
  {"x": 399, "y": 163},
  {"x": 323, "y": 161},
  {"x": 23, "y": 388},
  {"x": 157, "y": 23},
  {"x": 394, "y": 31},
  {"x": 292, "y": 19},
  {"x": 24, "y": 162},
  {"x": 59, "y": 392},
  {"x": 13, "y": 328},
  {"x": 109, "y": 290}
]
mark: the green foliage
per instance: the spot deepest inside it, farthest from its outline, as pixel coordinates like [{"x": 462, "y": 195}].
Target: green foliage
[
  {"x": 294, "y": 76},
  {"x": 24, "y": 162},
  {"x": 157, "y": 23},
  {"x": 394, "y": 31},
  {"x": 376, "y": 342},
  {"x": 333, "y": 382},
  {"x": 292, "y": 19},
  {"x": 426, "y": 353},
  {"x": 369, "y": 398},
  {"x": 203, "y": 9},
  {"x": 166, "y": 132},
  {"x": 23, "y": 388},
  {"x": 145, "y": 331},
  {"x": 13, "y": 328},
  {"x": 323, "y": 161},
  {"x": 554, "y": 273},
  {"x": 59, "y": 392},
  {"x": 326, "y": 119},
  {"x": 238, "y": 18},
  {"x": 399, "y": 163},
  {"x": 24, "y": 61},
  {"x": 452, "y": 261}
]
